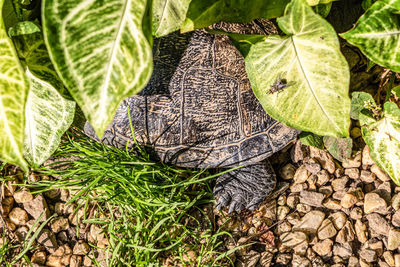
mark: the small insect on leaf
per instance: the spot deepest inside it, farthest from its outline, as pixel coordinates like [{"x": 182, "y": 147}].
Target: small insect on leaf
[{"x": 278, "y": 86}]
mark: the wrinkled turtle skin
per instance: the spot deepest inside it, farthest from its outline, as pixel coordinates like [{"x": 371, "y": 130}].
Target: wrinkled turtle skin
[{"x": 199, "y": 111}]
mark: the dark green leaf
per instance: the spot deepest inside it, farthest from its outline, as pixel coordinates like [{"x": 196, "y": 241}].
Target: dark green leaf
[
  {"x": 339, "y": 148},
  {"x": 323, "y": 9},
  {"x": 202, "y": 13},
  {"x": 310, "y": 139}
]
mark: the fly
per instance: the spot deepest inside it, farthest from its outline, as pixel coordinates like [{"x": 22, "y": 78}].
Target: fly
[{"x": 278, "y": 86}]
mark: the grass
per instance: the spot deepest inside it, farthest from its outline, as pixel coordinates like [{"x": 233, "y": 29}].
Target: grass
[{"x": 150, "y": 211}]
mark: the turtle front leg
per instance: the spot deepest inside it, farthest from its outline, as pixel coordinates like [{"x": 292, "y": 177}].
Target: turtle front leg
[{"x": 246, "y": 187}]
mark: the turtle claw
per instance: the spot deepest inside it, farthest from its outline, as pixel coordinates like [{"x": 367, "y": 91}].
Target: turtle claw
[{"x": 244, "y": 188}]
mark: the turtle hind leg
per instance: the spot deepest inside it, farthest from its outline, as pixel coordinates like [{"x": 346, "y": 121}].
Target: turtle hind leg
[{"x": 246, "y": 187}]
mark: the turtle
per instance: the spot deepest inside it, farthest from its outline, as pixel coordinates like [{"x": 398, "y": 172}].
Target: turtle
[{"x": 199, "y": 111}]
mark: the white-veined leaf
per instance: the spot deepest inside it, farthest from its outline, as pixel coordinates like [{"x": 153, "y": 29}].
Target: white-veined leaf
[
  {"x": 377, "y": 34},
  {"x": 168, "y": 15},
  {"x": 13, "y": 92},
  {"x": 309, "y": 68},
  {"x": 48, "y": 116},
  {"x": 48, "y": 113},
  {"x": 383, "y": 139},
  {"x": 100, "y": 52}
]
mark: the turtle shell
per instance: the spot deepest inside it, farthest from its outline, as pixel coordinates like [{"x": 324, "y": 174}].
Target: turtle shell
[{"x": 198, "y": 109}]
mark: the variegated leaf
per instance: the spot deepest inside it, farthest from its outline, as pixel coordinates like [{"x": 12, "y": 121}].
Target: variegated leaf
[
  {"x": 377, "y": 34},
  {"x": 13, "y": 92},
  {"x": 48, "y": 116},
  {"x": 383, "y": 139},
  {"x": 302, "y": 79},
  {"x": 100, "y": 52},
  {"x": 48, "y": 113},
  {"x": 168, "y": 15}
]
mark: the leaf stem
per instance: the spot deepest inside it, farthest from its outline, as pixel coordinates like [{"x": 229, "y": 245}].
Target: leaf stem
[{"x": 389, "y": 90}]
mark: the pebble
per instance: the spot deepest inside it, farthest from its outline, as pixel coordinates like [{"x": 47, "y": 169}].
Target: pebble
[
  {"x": 313, "y": 166},
  {"x": 348, "y": 200},
  {"x": 299, "y": 261},
  {"x": 376, "y": 245},
  {"x": 293, "y": 218},
  {"x": 356, "y": 213},
  {"x": 36, "y": 207},
  {"x": 354, "y": 162},
  {"x": 343, "y": 250},
  {"x": 339, "y": 219},
  {"x": 281, "y": 200},
  {"x": 396, "y": 218},
  {"x": 21, "y": 233},
  {"x": 266, "y": 259},
  {"x": 310, "y": 222},
  {"x": 283, "y": 227},
  {"x": 81, "y": 248},
  {"x": 326, "y": 190},
  {"x": 292, "y": 200},
  {"x": 284, "y": 259},
  {"x": 39, "y": 257},
  {"x": 297, "y": 188},
  {"x": 366, "y": 158},
  {"x": 396, "y": 201},
  {"x": 397, "y": 260},
  {"x": 332, "y": 204},
  {"x": 290, "y": 239},
  {"x": 373, "y": 202},
  {"x": 6, "y": 205},
  {"x": 353, "y": 173},
  {"x": 368, "y": 255},
  {"x": 361, "y": 231},
  {"x": 304, "y": 208},
  {"x": 326, "y": 230},
  {"x": 353, "y": 262},
  {"x": 379, "y": 173},
  {"x": 340, "y": 183},
  {"x": 324, "y": 247},
  {"x": 282, "y": 211},
  {"x": 389, "y": 259},
  {"x": 18, "y": 216},
  {"x": 393, "y": 239},
  {"x": 75, "y": 261},
  {"x": 301, "y": 175},
  {"x": 323, "y": 177},
  {"x": 288, "y": 171},
  {"x": 324, "y": 158},
  {"x": 22, "y": 196},
  {"x": 312, "y": 198},
  {"x": 346, "y": 234},
  {"x": 47, "y": 239},
  {"x": 367, "y": 176},
  {"x": 378, "y": 224},
  {"x": 58, "y": 224}
]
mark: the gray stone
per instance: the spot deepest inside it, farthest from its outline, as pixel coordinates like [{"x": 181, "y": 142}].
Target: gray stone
[
  {"x": 312, "y": 198},
  {"x": 343, "y": 250},
  {"x": 310, "y": 222},
  {"x": 378, "y": 224},
  {"x": 36, "y": 207}
]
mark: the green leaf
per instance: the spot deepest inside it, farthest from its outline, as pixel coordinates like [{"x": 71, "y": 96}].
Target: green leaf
[
  {"x": 339, "y": 148},
  {"x": 396, "y": 91},
  {"x": 310, "y": 139},
  {"x": 323, "y": 9},
  {"x": 99, "y": 51},
  {"x": 367, "y": 4},
  {"x": 383, "y": 139},
  {"x": 22, "y": 28},
  {"x": 13, "y": 92},
  {"x": 168, "y": 15},
  {"x": 358, "y": 100},
  {"x": 202, "y": 13},
  {"x": 308, "y": 60},
  {"x": 48, "y": 116},
  {"x": 48, "y": 113},
  {"x": 377, "y": 34}
]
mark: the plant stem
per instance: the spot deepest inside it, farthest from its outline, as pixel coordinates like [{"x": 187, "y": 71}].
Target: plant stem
[{"x": 389, "y": 90}]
